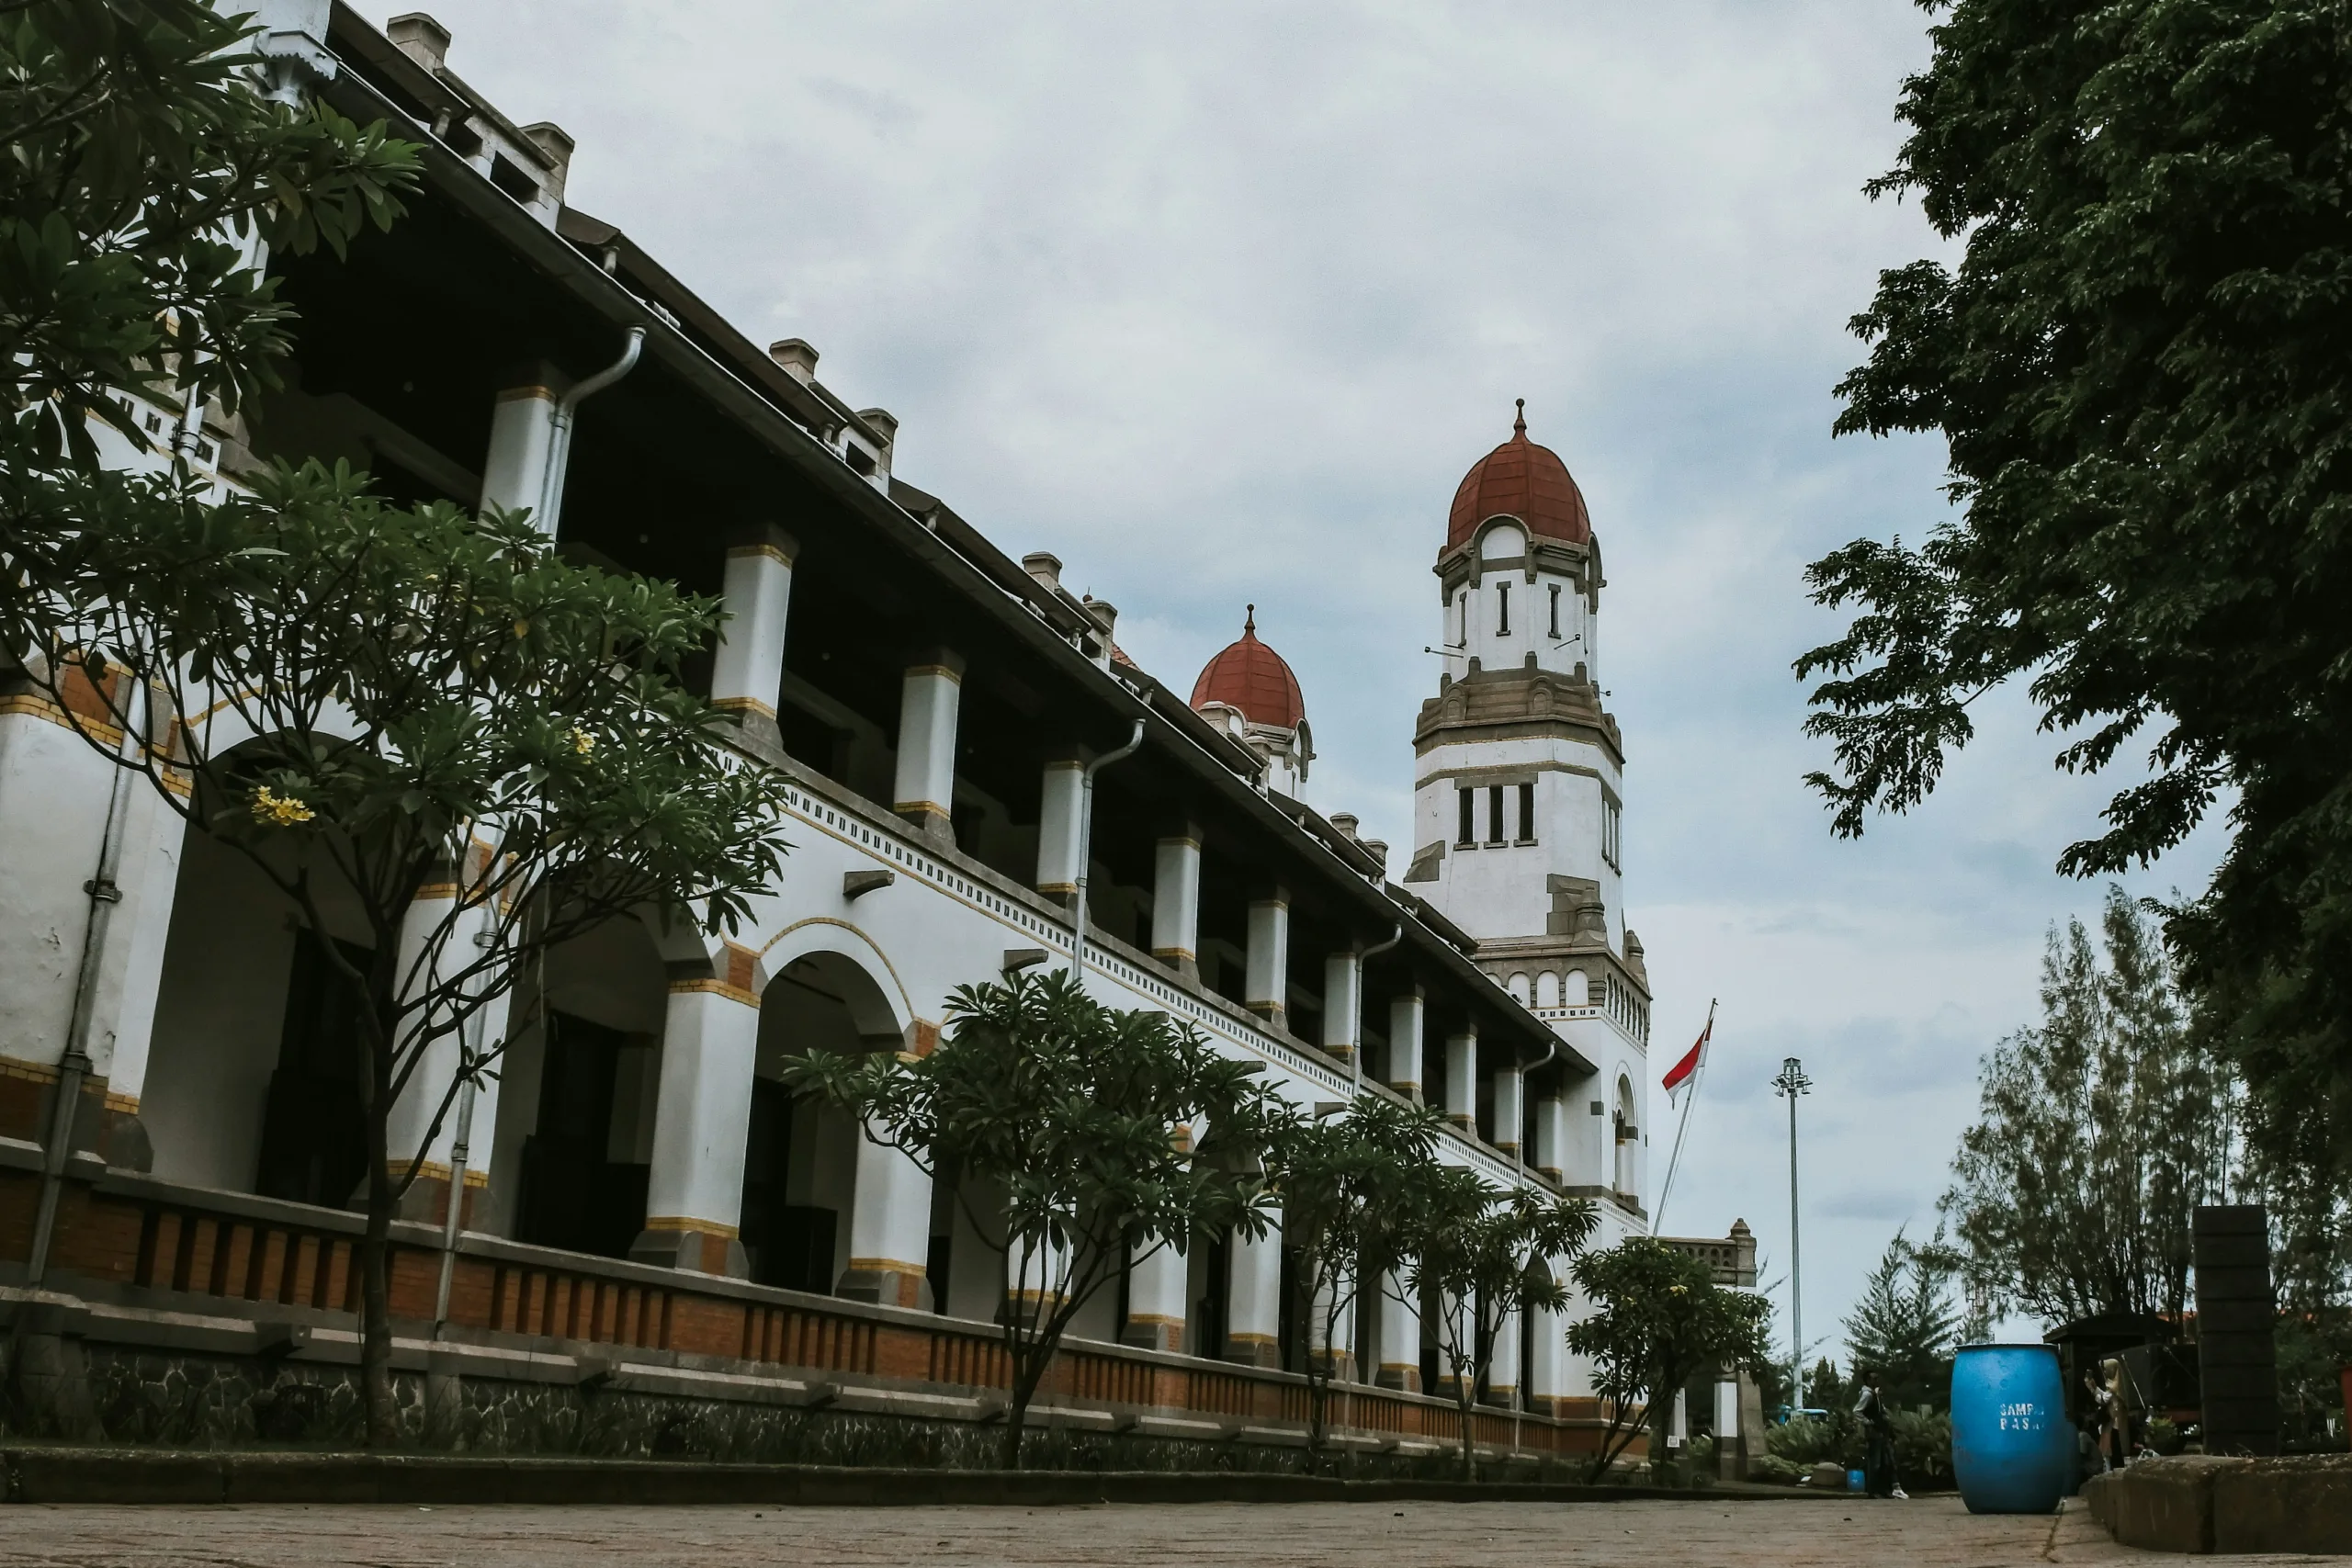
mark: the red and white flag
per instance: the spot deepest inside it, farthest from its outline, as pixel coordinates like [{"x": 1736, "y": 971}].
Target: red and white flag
[{"x": 1681, "y": 1075}]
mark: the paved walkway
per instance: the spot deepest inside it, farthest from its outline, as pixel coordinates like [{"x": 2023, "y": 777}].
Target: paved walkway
[{"x": 1928, "y": 1533}]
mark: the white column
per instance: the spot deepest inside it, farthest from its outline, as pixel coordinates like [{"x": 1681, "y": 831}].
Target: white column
[
  {"x": 1551, "y": 1136},
  {"x": 1462, "y": 1078},
  {"x": 1547, "y": 1367},
  {"x": 1459, "y": 1329},
  {"x": 694, "y": 1199},
  {"x": 1266, "y": 991},
  {"x": 1727, "y": 1454},
  {"x": 1342, "y": 1002},
  {"x": 1254, "y": 1318},
  {"x": 1057, "y": 828},
  {"x": 408, "y": 1133},
  {"x": 521, "y": 434},
  {"x": 1176, "y": 901},
  {"x": 1338, "y": 1341},
  {"x": 1502, "y": 1365},
  {"x": 1400, "y": 1336},
  {"x": 1407, "y": 1013},
  {"x": 1510, "y": 1117},
  {"x": 890, "y": 1230},
  {"x": 747, "y": 671},
  {"x": 150, "y": 883},
  {"x": 928, "y": 697},
  {"x": 1156, "y": 1281},
  {"x": 1031, "y": 1277}
]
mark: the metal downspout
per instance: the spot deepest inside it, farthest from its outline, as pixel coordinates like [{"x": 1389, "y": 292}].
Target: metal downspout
[
  {"x": 74, "y": 1067},
  {"x": 550, "y": 505},
  {"x": 1085, "y": 844}
]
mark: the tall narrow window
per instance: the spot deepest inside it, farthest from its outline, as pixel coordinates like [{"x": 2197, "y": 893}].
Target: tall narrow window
[
  {"x": 1609, "y": 831},
  {"x": 1467, "y": 799},
  {"x": 1527, "y": 814},
  {"x": 1502, "y": 609},
  {"x": 1555, "y": 610},
  {"x": 1494, "y": 813},
  {"x": 1462, "y": 639}
]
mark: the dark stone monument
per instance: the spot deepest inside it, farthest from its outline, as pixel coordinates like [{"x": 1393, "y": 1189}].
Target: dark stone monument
[{"x": 2236, "y": 1315}]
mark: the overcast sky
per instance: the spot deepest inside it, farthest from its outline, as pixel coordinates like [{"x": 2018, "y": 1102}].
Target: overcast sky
[{"x": 1219, "y": 301}]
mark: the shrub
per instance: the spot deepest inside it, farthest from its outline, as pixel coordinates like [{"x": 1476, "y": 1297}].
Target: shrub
[
  {"x": 1807, "y": 1440},
  {"x": 1774, "y": 1469}
]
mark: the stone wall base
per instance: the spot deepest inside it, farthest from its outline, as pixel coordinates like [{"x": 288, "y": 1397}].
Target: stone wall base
[{"x": 2201, "y": 1503}]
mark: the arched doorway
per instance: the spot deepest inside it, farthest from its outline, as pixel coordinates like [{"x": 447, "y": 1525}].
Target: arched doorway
[
  {"x": 251, "y": 1080},
  {"x": 579, "y": 1084},
  {"x": 801, "y": 1158}
]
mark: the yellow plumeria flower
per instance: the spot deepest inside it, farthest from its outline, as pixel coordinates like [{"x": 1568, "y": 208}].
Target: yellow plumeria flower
[
  {"x": 583, "y": 743},
  {"x": 273, "y": 810}
]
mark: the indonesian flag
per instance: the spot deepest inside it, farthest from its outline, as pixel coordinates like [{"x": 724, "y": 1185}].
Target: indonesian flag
[{"x": 1681, "y": 1075}]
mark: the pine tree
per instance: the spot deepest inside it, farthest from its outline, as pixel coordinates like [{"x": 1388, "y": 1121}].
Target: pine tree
[{"x": 1906, "y": 1323}]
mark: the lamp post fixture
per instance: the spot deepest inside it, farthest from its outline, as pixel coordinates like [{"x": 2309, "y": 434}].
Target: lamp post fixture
[{"x": 1791, "y": 1084}]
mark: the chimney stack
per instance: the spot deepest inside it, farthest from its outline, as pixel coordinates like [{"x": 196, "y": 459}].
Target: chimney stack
[
  {"x": 420, "y": 38},
  {"x": 1045, "y": 567},
  {"x": 798, "y": 360}
]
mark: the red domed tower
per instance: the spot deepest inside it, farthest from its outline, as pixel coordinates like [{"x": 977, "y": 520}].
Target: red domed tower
[
  {"x": 1519, "y": 776},
  {"x": 1249, "y": 690}
]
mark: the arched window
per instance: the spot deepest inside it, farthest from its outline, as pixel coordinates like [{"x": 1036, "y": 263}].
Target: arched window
[
  {"x": 1548, "y": 989},
  {"x": 1518, "y": 987}
]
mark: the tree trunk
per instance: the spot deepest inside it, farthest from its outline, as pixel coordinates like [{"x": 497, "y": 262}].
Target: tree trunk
[
  {"x": 1319, "y": 1398},
  {"x": 376, "y": 1301},
  {"x": 1466, "y": 1390}
]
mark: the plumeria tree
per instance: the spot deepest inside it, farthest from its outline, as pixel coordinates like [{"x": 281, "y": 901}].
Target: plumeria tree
[
  {"x": 1479, "y": 1255},
  {"x": 1346, "y": 1185},
  {"x": 1074, "y": 1137},
  {"x": 147, "y": 175},
  {"x": 1658, "y": 1317},
  {"x": 433, "y": 736}
]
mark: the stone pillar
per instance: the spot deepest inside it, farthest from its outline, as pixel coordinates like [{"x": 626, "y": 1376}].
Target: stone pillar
[
  {"x": 1336, "y": 1347},
  {"x": 1253, "y": 1317},
  {"x": 1266, "y": 988},
  {"x": 1057, "y": 828},
  {"x": 747, "y": 671},
  {"x": 1552, "y": 1136},
  {"x": 1547, "y": 1368},
  {"x": 409, "y": 1132},
  {"x": 522, "y": 438},
  {"x": 1407, "y": 1014},
  {"x": 149, "y": 882},
  {"x": 1502, "y": 1364},
  {"x": 694, "y": 1197},
  {"x": 1176, "y": 901},
  {"x": 928, "y": 696},
  {"x": 890, "y": 1230},
  {"x": 1342, "y": 1002},
  {"x": 1511, "y": 1118},
  {"x": 1728, "y": 1455},
  {"x": 1400, "y": 1336},
  {"x": 1156, "y": 1281},
  {"x": 1459, "y": 1328},
  {"x": 1462, "y": 1080}
]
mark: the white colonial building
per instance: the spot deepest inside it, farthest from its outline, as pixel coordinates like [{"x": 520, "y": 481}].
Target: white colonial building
[{"x": 646, "y": 1199}]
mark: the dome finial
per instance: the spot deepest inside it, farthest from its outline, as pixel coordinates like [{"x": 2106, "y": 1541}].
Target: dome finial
[
  {"x": 1519, "y": 425},
  {"x": 1250, "y": 620}
]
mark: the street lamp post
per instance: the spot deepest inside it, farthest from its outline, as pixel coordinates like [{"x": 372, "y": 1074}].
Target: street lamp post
[{"x": 1791, "y": 1084}]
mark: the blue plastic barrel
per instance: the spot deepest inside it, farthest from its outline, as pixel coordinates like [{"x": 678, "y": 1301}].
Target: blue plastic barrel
[{"x": 2012, "y": 1448}]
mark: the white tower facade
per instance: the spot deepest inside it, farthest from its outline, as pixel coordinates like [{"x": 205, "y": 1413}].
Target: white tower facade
[{"x": 1518, "y": 793}]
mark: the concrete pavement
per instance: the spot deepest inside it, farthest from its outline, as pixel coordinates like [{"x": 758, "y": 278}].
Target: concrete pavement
[{"x": 1927, "y": 1533}]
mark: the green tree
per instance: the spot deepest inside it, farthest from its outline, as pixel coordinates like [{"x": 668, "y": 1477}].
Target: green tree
[
  {"x": 363, "y": 702},
  {"x": 1658, "y": 1317},
  {"x": 1906, "y": 1323},
  {"x": 2096, "y": 1137},
  {"x": 1346, "y": 1186},
  {"x": 1109, "y": 1135},
  {"x": 2139, "y": 365},
  {"x": 1480, "y": 1256},
  {"x": 145, "y": 179}
]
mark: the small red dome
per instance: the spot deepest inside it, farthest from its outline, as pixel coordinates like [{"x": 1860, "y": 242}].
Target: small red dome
[
  {"x": 1252, "y": 677},
  {"x": 1521, "y": 479}
]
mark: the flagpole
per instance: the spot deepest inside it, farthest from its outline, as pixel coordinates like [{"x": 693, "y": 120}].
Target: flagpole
[{"x": 1698, "y": 1076}]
